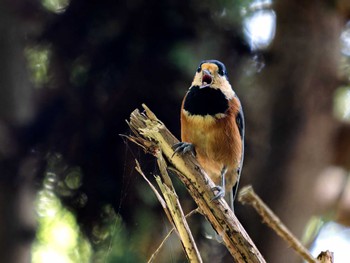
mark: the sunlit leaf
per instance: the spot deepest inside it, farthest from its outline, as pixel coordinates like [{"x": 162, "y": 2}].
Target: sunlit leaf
[
  {"x": 342, "y": 103},
  {"x": 56, "y": 6},
  {"x": 38, "y": 59}
]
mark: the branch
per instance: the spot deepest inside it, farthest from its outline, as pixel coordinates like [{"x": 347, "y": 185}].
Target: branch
[
  {"x": 176, "y": 212},
  {"x": 173, "y": 210},
  {"x": 248, "y": 196},
  {"x": 152, "y": 258},
  {"x": 326, "y": 257},
  {"x": 152, "y": 135}
]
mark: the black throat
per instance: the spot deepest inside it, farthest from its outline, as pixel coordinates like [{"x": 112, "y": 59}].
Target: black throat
[{"x": 205, "y": 101}]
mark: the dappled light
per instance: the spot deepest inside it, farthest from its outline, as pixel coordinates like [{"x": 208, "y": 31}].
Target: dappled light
[
  {"x": 38, "y": 59},
  {"x": 58, "y": 237},
  {"x": 333, "y": 237},
  {"x": 259, "y": 28},
  {"x": 74, "y": 70},
  {"x": 56, "y": 6},
  {"x": 342, "y": 103},
  {"x": 345, "y": 40}
]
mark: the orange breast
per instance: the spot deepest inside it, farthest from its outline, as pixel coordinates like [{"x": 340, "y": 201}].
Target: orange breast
[{"x": 216, "y": 140}]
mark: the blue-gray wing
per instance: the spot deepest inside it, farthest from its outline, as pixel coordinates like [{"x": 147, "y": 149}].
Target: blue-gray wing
[{"x": 241, "y": 128}]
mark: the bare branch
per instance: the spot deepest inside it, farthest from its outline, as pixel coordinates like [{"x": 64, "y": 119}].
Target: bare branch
[
  {"x": 176, "y": 212},
  {"x": 326, "y": 257},
  {"x": 152, "y": 258},
  {"x": 153, "y": 135},
  {"x": 248, "y": 196},
  {"x": 173, "y": 210}
]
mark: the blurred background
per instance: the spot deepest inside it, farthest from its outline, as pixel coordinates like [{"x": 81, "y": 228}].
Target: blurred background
[{"x": 72, "y": 71}]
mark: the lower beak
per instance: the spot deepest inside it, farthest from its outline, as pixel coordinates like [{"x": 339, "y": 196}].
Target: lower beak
[{"x": 207, "y": 78}]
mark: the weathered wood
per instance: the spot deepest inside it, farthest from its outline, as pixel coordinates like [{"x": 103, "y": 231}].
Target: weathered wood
[
  {"x": 248, "y": 196},
  {"x": 152, "y": 135},
  {"x": 326, "y": 257}
]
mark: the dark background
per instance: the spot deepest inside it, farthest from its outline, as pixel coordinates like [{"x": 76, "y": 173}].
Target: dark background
[{"x": 70, "y": 78}]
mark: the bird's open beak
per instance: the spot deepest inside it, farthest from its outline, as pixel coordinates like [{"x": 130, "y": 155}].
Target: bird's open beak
[{"x": 207, "y": 78}]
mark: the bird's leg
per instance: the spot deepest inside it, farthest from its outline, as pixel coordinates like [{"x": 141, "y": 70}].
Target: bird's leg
[
  {"x": 220, "y": 193},
  {"x": 233, "y": 192},
  {"x": 183, "y": 147},
  {"x": 220, "y": 188}
]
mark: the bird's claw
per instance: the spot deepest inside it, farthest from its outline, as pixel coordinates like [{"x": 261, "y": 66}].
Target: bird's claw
[
  {"x": 220, "y": 192},
  {"x": 183, "y": 147}
]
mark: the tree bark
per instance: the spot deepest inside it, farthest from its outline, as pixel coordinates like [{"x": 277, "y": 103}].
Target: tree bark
[
  {"x": 293, "y": 132},
  {"x": 16, "y": 167}
]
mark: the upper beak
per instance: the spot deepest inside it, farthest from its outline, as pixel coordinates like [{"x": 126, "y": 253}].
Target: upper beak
[
  {"x": 206, "y": 72},
  {"x": 206, "y": 78}
]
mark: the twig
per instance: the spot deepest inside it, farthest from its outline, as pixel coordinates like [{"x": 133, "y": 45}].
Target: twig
[
  {"x": 173, "y": 210},
  {"x": 155, "y": 253},
  {"x": 248, "y": 196},
  {"x": 151, "y": 134},
  {"x": 326, "y": 257},
  {"x": 159, "y": 197},
  {"x": 176, "y": 212}
]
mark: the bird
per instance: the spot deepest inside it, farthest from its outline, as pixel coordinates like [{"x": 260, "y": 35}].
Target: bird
[{"x": 212, "y": 128}]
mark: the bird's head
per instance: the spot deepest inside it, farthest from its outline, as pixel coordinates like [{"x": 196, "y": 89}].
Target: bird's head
[{"x": 212, "y": 74}]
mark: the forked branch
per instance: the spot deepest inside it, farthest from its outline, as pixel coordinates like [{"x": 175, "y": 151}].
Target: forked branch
[{"x": 152, "y": 135}]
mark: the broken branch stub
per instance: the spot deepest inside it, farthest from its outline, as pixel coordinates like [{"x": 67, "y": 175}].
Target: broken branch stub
[{"x": 151, "y": 134}]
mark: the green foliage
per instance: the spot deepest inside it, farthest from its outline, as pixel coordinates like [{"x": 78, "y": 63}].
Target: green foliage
[
  {"x": 342, "y": 103},
  {"x": 56, "y": 6},
  {"x": 118, "y": 246},
  {"x": 38, "y": 58},
  {"x": 58, "y": 236}
]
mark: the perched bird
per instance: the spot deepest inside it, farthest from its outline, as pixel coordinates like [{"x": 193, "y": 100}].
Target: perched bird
[{"x": 212, "y": 127}]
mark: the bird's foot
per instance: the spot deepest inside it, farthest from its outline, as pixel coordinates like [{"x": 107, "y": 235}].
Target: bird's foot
[
  {"x": 183, "y": 147},
  {"x": 214, "y": 236},
  {"x": 220, "y": 192}
]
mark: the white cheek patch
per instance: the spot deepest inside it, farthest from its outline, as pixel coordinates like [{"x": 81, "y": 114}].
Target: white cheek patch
[
  {"x": 220, "y": 83},
  {"x": 197, "y": 80}
]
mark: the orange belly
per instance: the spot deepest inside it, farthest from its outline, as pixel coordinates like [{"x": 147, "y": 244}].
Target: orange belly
[{"x": 217, "y": 144}]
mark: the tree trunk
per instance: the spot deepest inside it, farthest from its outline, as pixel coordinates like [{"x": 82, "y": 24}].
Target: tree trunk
[
  {"x": 294, "y": 141},
  {"x": 16, "y": 168}
]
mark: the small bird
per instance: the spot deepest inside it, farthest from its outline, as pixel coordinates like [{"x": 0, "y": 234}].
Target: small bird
[{"x": 212, "y": 127}]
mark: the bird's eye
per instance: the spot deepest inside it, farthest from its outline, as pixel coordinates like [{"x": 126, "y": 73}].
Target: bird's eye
[
  {"x": 199, "y": 69},
  {"x": 221, "y": 72}
]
